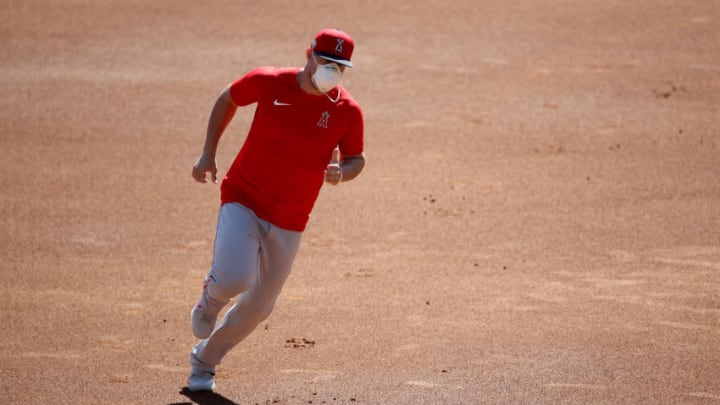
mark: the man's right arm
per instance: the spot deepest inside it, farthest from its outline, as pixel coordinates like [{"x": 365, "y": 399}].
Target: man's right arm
[{"x": 221, "y": 115}]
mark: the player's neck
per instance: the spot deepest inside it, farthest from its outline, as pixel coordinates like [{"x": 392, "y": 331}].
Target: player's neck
[{"x": 306, "y": 84}]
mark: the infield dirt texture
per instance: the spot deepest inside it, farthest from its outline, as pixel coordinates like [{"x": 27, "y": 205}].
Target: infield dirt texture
[{"x": 538, "y": 221}]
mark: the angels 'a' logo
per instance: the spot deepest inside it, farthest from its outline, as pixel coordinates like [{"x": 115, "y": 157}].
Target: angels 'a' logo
[
  {"x": 338, "y": 47},
  {"x": 324, "y": 120}
]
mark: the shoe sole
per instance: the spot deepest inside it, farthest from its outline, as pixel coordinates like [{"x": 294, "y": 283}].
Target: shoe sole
[{"x": 202, "y": 388}]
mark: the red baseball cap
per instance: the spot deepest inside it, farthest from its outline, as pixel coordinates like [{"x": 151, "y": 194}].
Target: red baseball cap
[{"x": 333, "y": 45}]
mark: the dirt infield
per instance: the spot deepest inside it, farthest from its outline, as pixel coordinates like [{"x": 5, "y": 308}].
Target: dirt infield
[{"x": 538, "y": 221}]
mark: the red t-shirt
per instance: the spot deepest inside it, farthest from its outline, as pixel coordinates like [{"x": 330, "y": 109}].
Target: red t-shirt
[{"x": 280, "y": 167}]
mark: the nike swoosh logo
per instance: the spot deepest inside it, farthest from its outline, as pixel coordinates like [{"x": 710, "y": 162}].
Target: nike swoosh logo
[{"x": 280, "y": 103}]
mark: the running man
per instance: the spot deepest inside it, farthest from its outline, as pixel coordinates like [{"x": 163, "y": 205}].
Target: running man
[{"x": 307, "y": 130}]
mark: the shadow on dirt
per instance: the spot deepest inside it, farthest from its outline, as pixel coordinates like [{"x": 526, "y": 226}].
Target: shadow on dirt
[{"x": 204, "y": 398}]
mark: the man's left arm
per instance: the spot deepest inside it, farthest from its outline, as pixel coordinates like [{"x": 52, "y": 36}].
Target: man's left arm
[
  {"x": 343, "y": 170},
  {"x": 351, "y": 166}
]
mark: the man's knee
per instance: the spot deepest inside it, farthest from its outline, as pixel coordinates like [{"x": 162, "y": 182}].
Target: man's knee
[
  {"x": 223, "y": 284},
  {"x": 251, "y": 311},
  {"x": 263, "y": 311}
]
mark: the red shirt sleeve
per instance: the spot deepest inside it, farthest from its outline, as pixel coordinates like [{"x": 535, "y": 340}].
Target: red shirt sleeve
[
  {"x": 352, "y": 143},
  {"x": 246, "y": 90}
]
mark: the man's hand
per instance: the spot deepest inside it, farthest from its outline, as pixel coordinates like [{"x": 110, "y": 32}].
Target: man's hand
[
  {"x": 205, "y": 164},
  {"x": 220, "y": 116},
  {"x": 333, "y": 173}
]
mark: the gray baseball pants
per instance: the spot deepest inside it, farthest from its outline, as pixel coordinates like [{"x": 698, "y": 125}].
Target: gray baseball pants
[{"x": 252, "y": 258}]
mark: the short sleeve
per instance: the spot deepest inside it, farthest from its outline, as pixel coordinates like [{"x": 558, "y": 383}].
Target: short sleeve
[
  {"x": 352, "y": 143},
  {"x": 247, "y": 89}
]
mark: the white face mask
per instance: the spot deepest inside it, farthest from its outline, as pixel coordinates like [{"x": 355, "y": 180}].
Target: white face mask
[{"x": 326, "y": 76}]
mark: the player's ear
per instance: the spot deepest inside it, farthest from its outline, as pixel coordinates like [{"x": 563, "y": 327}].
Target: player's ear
[{"x": 308, "y": 53}]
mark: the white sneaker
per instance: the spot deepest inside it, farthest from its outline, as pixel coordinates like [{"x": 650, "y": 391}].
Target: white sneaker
[
  {"x": 203, "y": 323},
  {"x": 201, "y": 380},
  {"x": 202, "y": 375}
]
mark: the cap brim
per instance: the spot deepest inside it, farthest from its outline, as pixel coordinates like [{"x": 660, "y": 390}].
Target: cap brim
[{"x": 333, "y": 58}]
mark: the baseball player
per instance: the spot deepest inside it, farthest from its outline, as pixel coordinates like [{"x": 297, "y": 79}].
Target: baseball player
[{"x": 307, "y": 130}]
